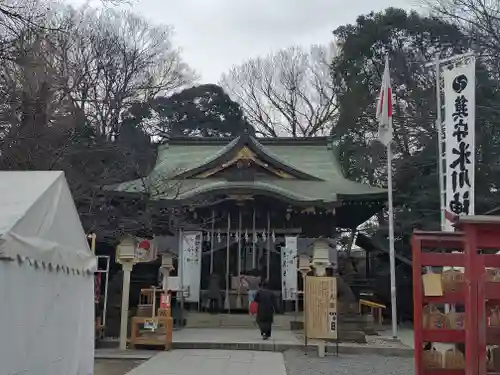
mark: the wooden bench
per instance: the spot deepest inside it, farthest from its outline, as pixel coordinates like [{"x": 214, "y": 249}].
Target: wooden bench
[{"x": 374, "y": 308}]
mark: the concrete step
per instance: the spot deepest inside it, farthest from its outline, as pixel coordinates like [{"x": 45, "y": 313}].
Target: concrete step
[
  {"x": 348, "y": 332},
  {"x": 205, "y": 320}
]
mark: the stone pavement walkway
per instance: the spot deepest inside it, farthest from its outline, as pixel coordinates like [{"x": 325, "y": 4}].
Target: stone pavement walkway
[
  {"x": 185, "y": 337},
  {"x": 249, "y": 339},
  {"x": 212, "y": 362}
]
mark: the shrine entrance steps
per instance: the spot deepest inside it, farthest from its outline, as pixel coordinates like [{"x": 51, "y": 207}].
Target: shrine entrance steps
[
  {"x": 206, "y": 320},
  {"x": 351, "y": 329}
]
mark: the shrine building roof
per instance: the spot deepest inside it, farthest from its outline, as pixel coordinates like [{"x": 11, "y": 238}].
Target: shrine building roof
[{"x": 299, "y": 170}]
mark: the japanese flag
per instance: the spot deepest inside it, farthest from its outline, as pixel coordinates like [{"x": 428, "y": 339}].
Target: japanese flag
[{"x": 384, "y": 107}]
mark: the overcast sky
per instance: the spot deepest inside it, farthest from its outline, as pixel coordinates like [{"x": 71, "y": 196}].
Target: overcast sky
[{"x": 216, "y": 34}]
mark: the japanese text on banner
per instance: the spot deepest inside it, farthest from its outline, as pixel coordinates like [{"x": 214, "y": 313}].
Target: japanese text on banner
[
  {"x": 289, "y": 269},
  {"x": 459, "y": 95}
]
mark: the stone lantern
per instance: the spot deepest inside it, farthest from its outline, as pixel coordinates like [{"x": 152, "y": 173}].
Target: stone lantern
[
  {"x": 321, "y": 257},
  {"x": 126, "y": 250},
  {"x": 304, "y": 265},
  {"x": 126, "y": 256},
  {"x": 167, "y": 265}
]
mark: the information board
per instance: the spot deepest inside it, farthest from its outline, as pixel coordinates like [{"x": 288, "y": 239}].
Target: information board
[{"x": 320, "y": 297}]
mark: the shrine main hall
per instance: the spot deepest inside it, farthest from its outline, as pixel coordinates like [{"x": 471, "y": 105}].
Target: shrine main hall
[{"x": 249, "y": 205}]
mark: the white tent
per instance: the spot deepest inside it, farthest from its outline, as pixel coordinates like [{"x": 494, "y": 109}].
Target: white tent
[{"x": 46, "y": 278}]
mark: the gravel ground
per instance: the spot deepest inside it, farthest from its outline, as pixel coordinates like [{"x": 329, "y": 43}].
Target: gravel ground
[
  {"x": 114, "y": 366},
  {"x": 297, "y": 363}
]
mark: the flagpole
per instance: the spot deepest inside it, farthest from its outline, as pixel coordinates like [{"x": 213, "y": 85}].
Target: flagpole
[
  {"x": 392, "y": 260},
  {"x": 384, "y": 116}
]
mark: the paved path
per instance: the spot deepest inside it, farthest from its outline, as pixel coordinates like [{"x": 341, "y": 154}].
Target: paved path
[
  {"x": 233, "y": 335},
  {"x": 405, "y": 334},
  {"x": 249, "y": 339},
  {"x": 212, "y": 362},
  {"x": 297, "y": 363},
  {"x": 114, "y": 366}
]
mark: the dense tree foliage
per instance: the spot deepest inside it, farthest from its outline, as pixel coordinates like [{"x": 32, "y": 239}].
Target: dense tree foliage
[
  {"x": 411, "y": 40},
  {"x": 204, "y": 110}
]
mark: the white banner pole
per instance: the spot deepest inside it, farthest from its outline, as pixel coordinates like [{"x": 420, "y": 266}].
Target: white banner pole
[{"x": 439, "y": 129}]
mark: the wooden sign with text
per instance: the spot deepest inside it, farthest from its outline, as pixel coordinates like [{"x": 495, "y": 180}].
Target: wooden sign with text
[{"x": 320, "y": 297}]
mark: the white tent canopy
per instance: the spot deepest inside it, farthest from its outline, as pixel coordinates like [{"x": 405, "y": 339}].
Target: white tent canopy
[
  {"x": 46, "y": 278},
  {"x": 39, "y": 221}
]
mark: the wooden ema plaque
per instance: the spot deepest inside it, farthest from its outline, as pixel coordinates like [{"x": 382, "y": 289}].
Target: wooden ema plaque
[{"x": 320, "y": 297}]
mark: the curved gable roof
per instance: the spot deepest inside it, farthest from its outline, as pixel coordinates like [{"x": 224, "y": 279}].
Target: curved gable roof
[
  {"x": 309, "y": 159},
  {"x": 263, "y": 153}
]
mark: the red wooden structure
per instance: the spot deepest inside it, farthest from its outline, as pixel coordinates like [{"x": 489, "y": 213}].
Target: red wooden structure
[{"x": 478, "y": 240}]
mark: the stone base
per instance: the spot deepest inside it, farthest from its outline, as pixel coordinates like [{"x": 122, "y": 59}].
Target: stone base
[
  {"x": 352, "y": 327},
  {"x": 358, "y": 322}
]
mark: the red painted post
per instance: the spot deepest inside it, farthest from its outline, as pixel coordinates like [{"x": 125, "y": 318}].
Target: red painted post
[
  {"x": 417, "y": 303},
  {"x": 471, "y": 302},
  {"x": 476, "y": 236}
]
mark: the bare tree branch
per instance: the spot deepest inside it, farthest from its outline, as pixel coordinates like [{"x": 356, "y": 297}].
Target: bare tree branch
[
  {"x": 286, "y": 93},
  {"x": 117, "y": 58},
  {"x": 480, "y": 19}
]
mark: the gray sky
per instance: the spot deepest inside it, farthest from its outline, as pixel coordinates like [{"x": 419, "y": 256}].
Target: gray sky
[{"x": 216, "y": 34}]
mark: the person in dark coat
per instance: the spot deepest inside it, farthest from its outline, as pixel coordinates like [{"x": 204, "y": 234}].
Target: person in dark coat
[
  {"x": 214, "y": 293},
  {"x": 266, "y": 308}
]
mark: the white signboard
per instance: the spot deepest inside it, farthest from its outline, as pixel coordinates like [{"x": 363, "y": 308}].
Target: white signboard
[
  {"x": 459, "y": 97},
  {"x": 289, "y": 269},
  {"x": 191, "y": 265}
]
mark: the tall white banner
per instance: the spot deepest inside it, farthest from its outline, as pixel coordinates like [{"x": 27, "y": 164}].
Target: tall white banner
[
  {"x": 460, "y": 103},
  {"x": 191, "y": 265},
  {"x": 289, "y": 269}
]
